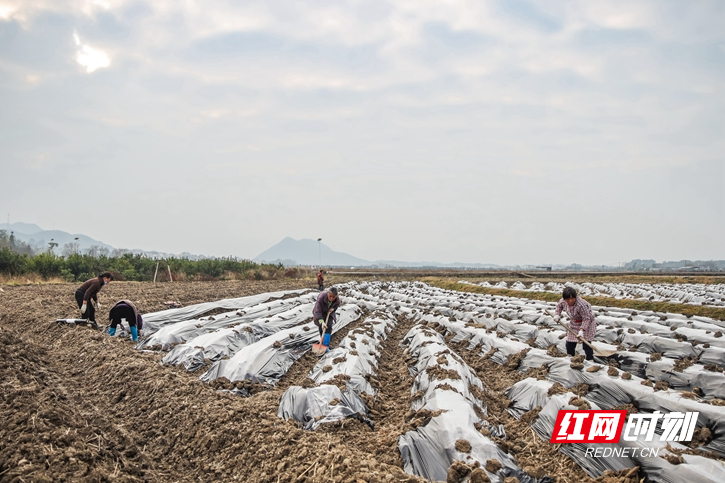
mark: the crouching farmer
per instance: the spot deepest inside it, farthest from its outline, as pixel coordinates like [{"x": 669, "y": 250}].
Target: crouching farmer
[
  {"x": 582, "y": 321},
  {"x": 88, "y": 293},
  {"x": 327, "y": 302},
  {"x": 125, "y": 310}
]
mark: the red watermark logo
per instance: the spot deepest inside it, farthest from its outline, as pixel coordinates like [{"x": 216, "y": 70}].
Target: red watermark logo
[{"x": 588, "y": 426}]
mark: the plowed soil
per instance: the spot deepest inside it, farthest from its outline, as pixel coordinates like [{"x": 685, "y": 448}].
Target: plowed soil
[{"x": 77, "y": 405}]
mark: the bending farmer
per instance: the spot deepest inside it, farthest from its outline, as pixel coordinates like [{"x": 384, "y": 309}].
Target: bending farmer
[
  {"x": 582, "y": 321},
  {"x": 326, "y": 302},
  {"x": 125, "y": 310},
  {"x": 89, "y": 291}
]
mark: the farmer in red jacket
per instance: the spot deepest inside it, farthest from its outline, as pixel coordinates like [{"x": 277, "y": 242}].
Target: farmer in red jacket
[{"x": 321, "y": 280}]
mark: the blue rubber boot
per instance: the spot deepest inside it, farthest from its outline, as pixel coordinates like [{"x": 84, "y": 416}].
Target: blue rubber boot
[
  {"x": 326, "y": 341},
  {"x": 134, "y": 333},
  {"x": 111, "y": 331}
]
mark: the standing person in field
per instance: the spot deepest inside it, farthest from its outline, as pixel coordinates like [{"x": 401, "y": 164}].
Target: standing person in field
[
  {"x": 326, "y": 302},
  {"x": 89, "y": 292},
  {"x": 125, "y": 309},
  {"x": 321, "y": 280},
  {"x": 582, "y": 321}
]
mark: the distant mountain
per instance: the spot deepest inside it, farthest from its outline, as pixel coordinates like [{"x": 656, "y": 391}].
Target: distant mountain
[
  {"x": 308, "y": 252},
  {"x": 39, "y": 239},
  {"x": 20, "y": 227}
]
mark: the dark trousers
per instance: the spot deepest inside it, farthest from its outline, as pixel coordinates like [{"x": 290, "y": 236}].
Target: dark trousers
[
  {"x": 321, "y": 286},
  {"x": 571, "y": 350},
  {"x": 329, "y": 326},
  {"x": 118, "y": 313},
  {"x": 90, "y": 309}
]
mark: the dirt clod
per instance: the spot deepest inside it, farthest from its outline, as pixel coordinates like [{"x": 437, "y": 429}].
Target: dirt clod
[
  {"x": 493, "y": 466},
  {"x": 556, "y": 388},
  {"x": 463, "y": 446},
  {"x": 580, "y": 403},
  {"x": 457, "y": 471},
  {"x": 701, "y": 437},
  {"x": 661, "y": 386},
  {"x": 684, "y": 363},
  {"x": 479, "y": 476},
  {"x": 535, "y": 471}
]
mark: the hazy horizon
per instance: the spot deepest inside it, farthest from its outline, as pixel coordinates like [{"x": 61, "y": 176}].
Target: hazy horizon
[{"x": 505, "y": 132}]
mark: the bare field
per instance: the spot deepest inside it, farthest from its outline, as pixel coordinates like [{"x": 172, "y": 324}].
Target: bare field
[{"x": 78, "y": 405}]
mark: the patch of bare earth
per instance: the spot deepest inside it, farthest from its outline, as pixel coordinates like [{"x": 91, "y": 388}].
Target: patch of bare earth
[{"x": 77, "y": 405}]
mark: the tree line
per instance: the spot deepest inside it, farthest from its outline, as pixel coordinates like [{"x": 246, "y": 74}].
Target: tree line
[{"x": 16, "y": 259}]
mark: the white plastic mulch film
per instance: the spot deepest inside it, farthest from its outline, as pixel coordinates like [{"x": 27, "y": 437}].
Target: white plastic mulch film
[
  {"x": 352, "y": 362},
  {"x": 262, "y": 336},
  {"x": 322, "y": 404},
  {"x": 239, "y": 330},
  {"x": 268, "y": 359},
  {"x": 443, "y": 391},
  {"x": 356, "y": 356},
  {"x": 686, "y": 293},
  {"x": 155, "y": 320},
  {"x": 503, "y": 326}
]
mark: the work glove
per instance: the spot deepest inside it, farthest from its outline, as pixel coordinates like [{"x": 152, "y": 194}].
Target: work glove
[
  {"x": 321, "y": 321},
  {"x": 557, "y": 318},
  {"x": 581, "y": 333},
  {"x": 83, "y": 308}
]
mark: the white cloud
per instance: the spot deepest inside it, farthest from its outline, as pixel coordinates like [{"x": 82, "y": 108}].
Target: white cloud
[
  {"x": 259, "y": 89},
  {"x": 6, "y": 11},
  {"x": 90, "y": 58}
]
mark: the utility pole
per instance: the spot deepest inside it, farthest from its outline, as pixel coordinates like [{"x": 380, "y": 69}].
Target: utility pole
[{"x": 319, "y": 249}]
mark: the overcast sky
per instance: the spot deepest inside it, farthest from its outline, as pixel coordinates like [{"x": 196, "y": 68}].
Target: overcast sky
[{"x": 507, "y": 131}]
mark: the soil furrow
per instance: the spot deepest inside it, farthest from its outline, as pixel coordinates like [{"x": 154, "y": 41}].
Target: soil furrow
[
  {"x": 532, "y": 454},
  {"x": 297, "y": 374},
  {"x": 389, "y": 407}
]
